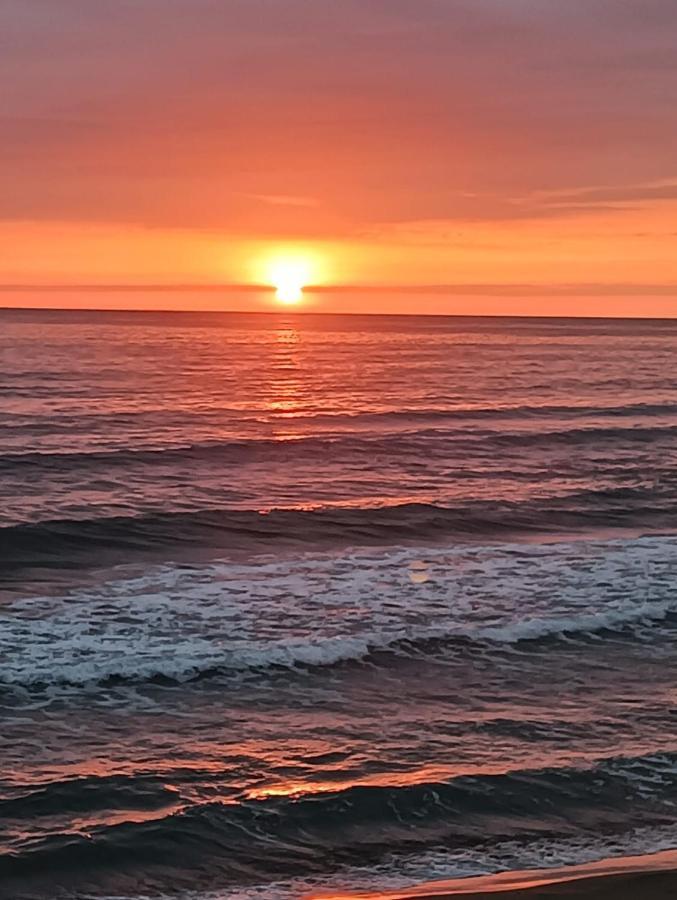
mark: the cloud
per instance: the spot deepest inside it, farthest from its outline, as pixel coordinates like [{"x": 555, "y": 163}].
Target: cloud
[
  {"x": 311, "y": 116},
  {"x": 592, "y": 289},
  {"x": 284, "y": 200},
  {"x": 618, "y": 194}
]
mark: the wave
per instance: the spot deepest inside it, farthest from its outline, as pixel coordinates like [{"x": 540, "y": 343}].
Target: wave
[
  {"x": 518, "y": 411},
  {"x": 255, "y": 449},
  {"x": 249, "y": 840},
  {"x": 74, "y": 543},
  {"x": 94, "y": 645},
  {"x": 24, "y": 421},
  {"x": 89, "y": 794},
  {"x": 191, "y": 665}
]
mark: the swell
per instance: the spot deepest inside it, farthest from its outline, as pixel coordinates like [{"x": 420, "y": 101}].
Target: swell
[
  {"x": 238, "y": 451},
  {"x": 247, "y": 840},
  {"x": 89, "y": 794},
  {"x": 73, "y": 543},
  {"x": 26, "y": 422},
  {"x": 526, "y": 411}
]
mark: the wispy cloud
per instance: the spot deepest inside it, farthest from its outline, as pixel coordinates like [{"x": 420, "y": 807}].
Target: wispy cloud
[
  {"x": 594, "y": 289},
  {"x": 285, "y": 200},
  {"x": 614, "y": 194}
]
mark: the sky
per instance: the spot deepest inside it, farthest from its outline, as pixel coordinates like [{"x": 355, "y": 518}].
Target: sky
[{"x": 502, "y": 156}]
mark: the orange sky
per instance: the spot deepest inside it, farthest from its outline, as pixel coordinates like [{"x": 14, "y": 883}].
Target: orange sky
[{"x": 527, "y": 150}]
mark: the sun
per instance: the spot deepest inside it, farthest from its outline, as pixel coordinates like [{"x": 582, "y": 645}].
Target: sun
[
  {"x": 289, "y": 277},
  {"x": 289, "y": 271}
]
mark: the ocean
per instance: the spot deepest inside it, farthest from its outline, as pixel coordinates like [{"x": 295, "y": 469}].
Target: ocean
[{"x": 293, "y": 605}]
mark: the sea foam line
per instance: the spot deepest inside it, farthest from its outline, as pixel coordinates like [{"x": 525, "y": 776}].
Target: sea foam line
[{"x": 178, "y": 622}]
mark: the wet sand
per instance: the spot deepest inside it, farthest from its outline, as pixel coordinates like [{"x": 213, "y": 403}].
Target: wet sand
[
  {"x": 652, "y": 877},
  {"x": 653, "y": 886}
]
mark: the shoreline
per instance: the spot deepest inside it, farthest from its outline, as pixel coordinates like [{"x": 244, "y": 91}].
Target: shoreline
[{"x": 650, "y": 876}]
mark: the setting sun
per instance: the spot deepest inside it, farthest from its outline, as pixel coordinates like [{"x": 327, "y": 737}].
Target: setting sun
[
  {"x": 289, "y": 272},
  {"x": 289, "y": 278}
]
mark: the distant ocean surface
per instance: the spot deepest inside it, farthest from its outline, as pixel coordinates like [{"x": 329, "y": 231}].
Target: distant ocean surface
[{"x": 296, "y": 604}]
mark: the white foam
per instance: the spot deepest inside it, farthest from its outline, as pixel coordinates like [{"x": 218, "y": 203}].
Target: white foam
[{"x": 317, "y": 610}]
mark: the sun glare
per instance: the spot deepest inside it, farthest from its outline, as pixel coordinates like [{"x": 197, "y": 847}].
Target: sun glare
[
  {"x": 289, "y": 276},
  {"x": 289, "y": 273}
]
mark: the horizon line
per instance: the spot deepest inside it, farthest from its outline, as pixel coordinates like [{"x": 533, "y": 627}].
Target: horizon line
[
  {"x": 123, "y": 310},
  {"x": 561, "y": 289}
]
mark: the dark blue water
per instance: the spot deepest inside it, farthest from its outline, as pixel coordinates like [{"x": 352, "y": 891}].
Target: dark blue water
[{"x": 293, "y": 604}]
